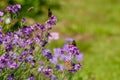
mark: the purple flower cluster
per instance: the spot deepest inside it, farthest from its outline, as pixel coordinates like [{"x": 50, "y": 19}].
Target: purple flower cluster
[
  {"x": 47, "y": 72},
  {"x": 13, "y": 8},
  {"x": 25, "y": 38},
  {"x": 6, "y": 62},
  {"x": 51, "y": 21},
  {"x": 68, "y": 55},
  {"x": 26, "y": 47}
]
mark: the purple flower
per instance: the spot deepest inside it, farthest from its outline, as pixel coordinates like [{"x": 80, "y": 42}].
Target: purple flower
[
  {"x": 64, "y": 57},
  {"x": 72, "y": 70},
  {"x": 5, "y": 62},
  {"x": 18, "y": 6},
  {"x": 12, "y": 55},
  {"x": 47, "y": 53},
  {"x": 40, "y": 26},
  {"x": 75, "y": 67},
  {"x": 9, "y": 8},
  {"x": 41, "y": 63},
  {"x": 1, "y": 20},
  {"x": 28, "y": 42},
  {"x": 26, "y": 30},
  {"x": 57, "y": 52},
  {"x": 69, "y": 39},
  {"x": 31, "y": 77},
  {"x": 52, "y": 20},
  {"x": 66, "y": 48},
  {"x": 13, "y": 8},
  {"x": 2, "y": 62},
  {"x": 53, "y": 77},
  {"x": 23, "y": 20},
  {"x": 44, "y": 42},
  {"x": 71, "y": 49},
  {"x": 54, "y": 60},
  {"x": 1, "y": 14},
  {"x": 12, "y": 65},
  {"x": 57, "y": 67},
  {"x": 10, "y": 77},
  {"x": 0, "y": 70},
  {"x": 79, "y": 57},
  {"x": 37, "y": 39},
  {"x": 60, "y": 67},
  {"x": 54, "y": 36},
  {"x": 47, "y": 71},
  {"x": 30, "y": 58},
  {"x": 0, "y": 41},
  {"x": 9, "y": 47},
  {"x": 1, "y": 35},
  {"x": 48, "y": 26}
]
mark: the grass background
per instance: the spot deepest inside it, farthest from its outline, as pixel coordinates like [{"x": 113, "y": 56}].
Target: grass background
[{"x": 94, "y": 24}]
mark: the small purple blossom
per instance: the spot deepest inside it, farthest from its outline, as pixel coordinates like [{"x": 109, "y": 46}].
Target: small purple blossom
[
  {"x": 23, "y": 20},
  {"x": 53, "y": 77},
  {"x": 1, "y": 20},
  {"x": 0, "y": 70},
  {"x": 47, "y": 72},
  {"x": 44, "y": 42},
  {"x": 69, "y": 39},
  {"x": 79, "y": 57},
  {"x": 54, "y": 60},
  {"x": 40, "y": 26},
  {"x": 28, "y": 42},
  {"x": 12, "y": 65},
  {"x": 18, "y": 6},
  {"x": 52, "y": 20},
  {"x": 31, "y": 77},
  {"x": 75, "y": 67},
  {"x": 1, "y": 13},
  {"x": 54, "y": 36},
  {"x": 9, "y": 47},
  {"x": 47, "y": 53},
  {"x": 60, "y": 67},
  {"x": 10, "y": 77}
]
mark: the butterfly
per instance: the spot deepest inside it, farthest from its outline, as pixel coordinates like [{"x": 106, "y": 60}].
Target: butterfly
[
  {"x": 68, "y": 64},
  {"x": 74, "y": 43},
  {"x": 30, "y": 9},
  {"x": 49, "y": 13}
]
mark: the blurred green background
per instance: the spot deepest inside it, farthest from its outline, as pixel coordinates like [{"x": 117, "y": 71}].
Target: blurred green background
[{"x": 94, "y": 24}]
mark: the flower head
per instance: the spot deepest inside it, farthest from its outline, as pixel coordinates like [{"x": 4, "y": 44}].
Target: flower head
[
  {"x": 31, "y": 77},
  {"x": 54, "y": 36},
  {"x": 13, "y": 8},
  {"x": 1, "y": 13}
]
